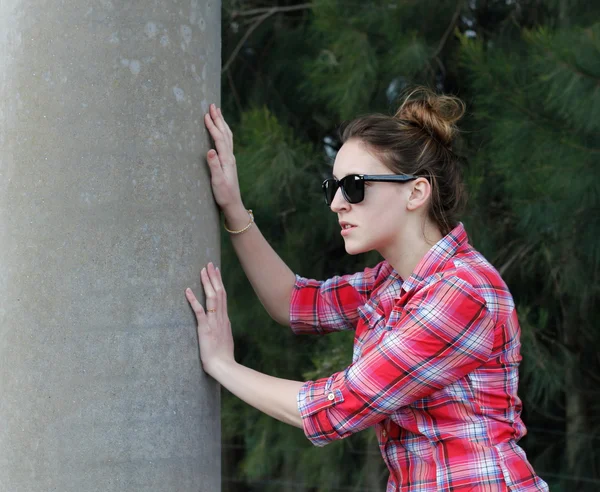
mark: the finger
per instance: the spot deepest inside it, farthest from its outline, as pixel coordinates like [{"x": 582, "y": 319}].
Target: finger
[
  {"x": 215, "y": 278},
  {"x": 217, "y": 283},
  {"x": 223, "y": 304},
  {"x": 214, "y": 112},
  {"x": 229, "y": 132},
  {"x": 215, "y": 117},
  {"x": 212, "y": 157},
  {"x": 211, "y": 296},
  {"x": 210, "y": 124},
  {"x": 226, "y": 129},
  {"x": 196, "y": 306},
  {"x": 222, "y": 139},
  {"x": 219, "y": 120},
  {"x": 220, "y": 280},
  {"x": 216, "y": 127}
]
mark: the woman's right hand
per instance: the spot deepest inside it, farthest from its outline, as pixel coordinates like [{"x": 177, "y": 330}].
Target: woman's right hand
[{"x": 224, "y": 178}]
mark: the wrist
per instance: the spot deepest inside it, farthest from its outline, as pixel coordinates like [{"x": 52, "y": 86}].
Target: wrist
[
  {"x": 219, "y": 369},
  {"x": 236, "y": 217}
]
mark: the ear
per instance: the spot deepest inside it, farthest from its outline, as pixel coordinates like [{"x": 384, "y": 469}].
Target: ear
[{"x": 420, "y": 193}]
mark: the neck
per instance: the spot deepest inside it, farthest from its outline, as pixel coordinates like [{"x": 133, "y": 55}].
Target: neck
[{"x": 410, "y": 247}]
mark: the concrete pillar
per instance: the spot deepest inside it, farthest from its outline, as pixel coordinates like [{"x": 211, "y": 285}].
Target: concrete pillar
[{"x": 106, "y": 215}]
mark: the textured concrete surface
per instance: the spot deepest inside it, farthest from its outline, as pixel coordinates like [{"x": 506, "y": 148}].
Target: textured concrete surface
[{"x": 106, "y": 215}]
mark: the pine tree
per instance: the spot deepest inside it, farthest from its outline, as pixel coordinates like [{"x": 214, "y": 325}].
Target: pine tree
[
  {"x": 530, "y": 73},
  {"x": 539, "y": 116}
]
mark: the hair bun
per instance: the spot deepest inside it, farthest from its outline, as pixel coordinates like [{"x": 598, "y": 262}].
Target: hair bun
[{"x": 435, "y": 113}]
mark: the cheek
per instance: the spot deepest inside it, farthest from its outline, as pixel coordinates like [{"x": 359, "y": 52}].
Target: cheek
[
  {"x": 387, "y": 208},
  {"x": 381, "y": 224},
  {"x": 381, "y": 218},
  {"x": 390, "y": 220}
]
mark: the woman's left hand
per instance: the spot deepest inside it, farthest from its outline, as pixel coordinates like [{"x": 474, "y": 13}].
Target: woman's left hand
[{"x": 214, "y": 328}]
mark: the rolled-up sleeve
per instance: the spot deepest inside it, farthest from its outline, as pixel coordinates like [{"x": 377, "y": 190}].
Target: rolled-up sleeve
[
  {"x": 331, "y": 305},
  {"x": 447, "y": 333}
]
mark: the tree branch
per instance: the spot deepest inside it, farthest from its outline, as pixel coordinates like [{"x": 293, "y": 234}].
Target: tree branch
[
  {"x": 449, "y": 29},
  {"x": 521, "y": 252},
  {"x": 246, "y": 35},
  {"x": 263, "y": 10},
  {"x": 266, "y": 13}
]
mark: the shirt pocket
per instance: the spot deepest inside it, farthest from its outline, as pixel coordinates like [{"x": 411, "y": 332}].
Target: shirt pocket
[
  {"x": 372, "y": 325},
  {"x": 397, "y": 314},
  {"x": 372, "y": 315}
]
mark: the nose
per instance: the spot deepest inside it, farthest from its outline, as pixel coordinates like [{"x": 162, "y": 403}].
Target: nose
[{"x": 339, "y": 203}]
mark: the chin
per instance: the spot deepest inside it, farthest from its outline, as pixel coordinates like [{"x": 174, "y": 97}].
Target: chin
[{"x": 353, "y": 249}]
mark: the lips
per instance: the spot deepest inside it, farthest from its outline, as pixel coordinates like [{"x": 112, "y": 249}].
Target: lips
[
  {"x": 346, "y": 228},
  {"x": 346, "y": 225}
]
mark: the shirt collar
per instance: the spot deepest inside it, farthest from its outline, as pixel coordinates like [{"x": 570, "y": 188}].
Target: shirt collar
[{"x": 435, "y": 259}]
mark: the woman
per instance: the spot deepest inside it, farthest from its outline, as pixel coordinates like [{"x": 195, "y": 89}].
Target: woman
[{"x": 436, "y": 350}]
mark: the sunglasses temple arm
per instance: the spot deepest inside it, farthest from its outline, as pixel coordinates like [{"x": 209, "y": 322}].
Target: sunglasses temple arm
[{"x": 401, "y": 177}]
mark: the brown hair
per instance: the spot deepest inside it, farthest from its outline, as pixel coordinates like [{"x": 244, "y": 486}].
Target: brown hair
[{"x": 418, "y": 140}]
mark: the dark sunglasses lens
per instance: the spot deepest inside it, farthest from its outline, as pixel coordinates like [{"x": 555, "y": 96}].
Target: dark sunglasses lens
[
  {"x": 354, "y": 188},
  {"x": 329, "y": 188}
]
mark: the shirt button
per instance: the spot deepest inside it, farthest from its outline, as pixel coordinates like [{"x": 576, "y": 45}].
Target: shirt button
[
  {"x": 330, "y": 396},
  {"x": 384, "y": 433}
]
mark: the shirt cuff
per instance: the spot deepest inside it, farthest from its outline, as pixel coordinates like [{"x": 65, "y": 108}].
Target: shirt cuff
[
  {"x": 315, "y": 399},
  {"x": 304, "y": 318}
]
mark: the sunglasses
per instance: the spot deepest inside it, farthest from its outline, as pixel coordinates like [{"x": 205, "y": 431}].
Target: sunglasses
[{"x": 353, "y": 185}]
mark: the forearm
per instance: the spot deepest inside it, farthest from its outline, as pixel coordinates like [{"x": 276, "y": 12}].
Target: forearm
[
  {"x": 274, "y": 396},
  {"x": 270, "y": 277}
]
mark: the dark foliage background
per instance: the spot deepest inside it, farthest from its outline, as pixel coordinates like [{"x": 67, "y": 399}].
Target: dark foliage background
[{"x": 529, "y": 71}]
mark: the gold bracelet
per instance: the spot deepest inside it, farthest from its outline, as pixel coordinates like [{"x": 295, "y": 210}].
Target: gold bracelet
[{"x": 245, "y": 228}]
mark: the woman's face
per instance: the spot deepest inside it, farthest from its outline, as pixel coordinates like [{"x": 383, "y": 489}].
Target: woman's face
[{"x": 378, "y": 221}]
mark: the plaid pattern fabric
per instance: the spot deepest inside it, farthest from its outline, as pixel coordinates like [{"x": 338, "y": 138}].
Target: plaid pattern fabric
[{"x": 434, "y": 370}]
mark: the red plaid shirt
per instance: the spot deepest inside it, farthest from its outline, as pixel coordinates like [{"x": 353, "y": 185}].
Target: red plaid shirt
[{"x": 434, "y": 370}]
